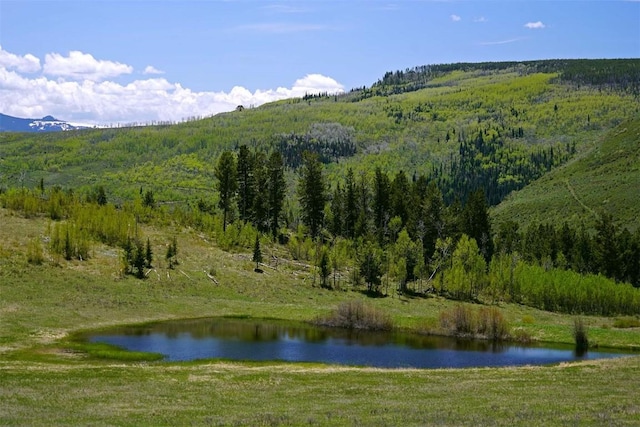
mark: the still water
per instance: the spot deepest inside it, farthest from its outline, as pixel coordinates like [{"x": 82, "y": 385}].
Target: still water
[{"x": 252, "y": 339}]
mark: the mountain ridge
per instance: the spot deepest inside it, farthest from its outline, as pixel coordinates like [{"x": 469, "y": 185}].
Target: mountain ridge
[{"x": 46, "y": 124}]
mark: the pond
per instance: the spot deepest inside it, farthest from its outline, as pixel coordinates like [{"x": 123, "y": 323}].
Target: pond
[{"x": 261, "y": 340}]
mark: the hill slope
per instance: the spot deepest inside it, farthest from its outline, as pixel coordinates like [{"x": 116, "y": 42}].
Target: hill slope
[
  {"x": 496, "y": 125},
  {"x": 606, "y": 178}
]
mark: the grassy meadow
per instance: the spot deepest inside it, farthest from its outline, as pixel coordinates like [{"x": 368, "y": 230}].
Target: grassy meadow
[
  {"x": 418, "y": 123},
  {"x": 45, "y": 378}
]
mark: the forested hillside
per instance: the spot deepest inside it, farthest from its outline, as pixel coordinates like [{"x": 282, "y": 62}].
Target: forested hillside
[
  {"x": 388, "y": 187},
  {"x": 605, "y": 179},
  {"x": 495, "y": 126}
]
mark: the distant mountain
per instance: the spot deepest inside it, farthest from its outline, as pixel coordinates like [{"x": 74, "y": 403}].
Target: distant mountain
[{"x": 45, "y": 124}]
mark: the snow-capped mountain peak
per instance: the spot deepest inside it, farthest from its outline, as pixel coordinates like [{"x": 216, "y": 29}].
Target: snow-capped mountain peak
[{"x": 45, "y": 124}]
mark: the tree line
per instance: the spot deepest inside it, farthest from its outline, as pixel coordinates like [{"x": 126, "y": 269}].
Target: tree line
[{"x": 393, "y": 233}]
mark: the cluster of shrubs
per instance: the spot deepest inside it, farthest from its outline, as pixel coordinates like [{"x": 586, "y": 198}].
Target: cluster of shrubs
[
  {"x": 481, "y": 322},
  {"x": 357, "y": 315}
]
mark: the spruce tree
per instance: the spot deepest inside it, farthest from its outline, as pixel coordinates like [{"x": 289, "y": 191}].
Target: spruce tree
[
  {"x": 476, "y": 223},
  {"x": 246, "y": 183},
  {"x": 312, "y": 193},
  {"x": 276, "y": 187},
  {"x": 148, "y": 254},
  {"x": 381, "y": 203},
  {"x": 350, "y": 205},
  {"x": 226, "y": 173},
  {"x": 257, "y": 253}
]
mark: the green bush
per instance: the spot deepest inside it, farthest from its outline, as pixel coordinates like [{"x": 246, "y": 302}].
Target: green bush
[{"x": 626, "y": 322}]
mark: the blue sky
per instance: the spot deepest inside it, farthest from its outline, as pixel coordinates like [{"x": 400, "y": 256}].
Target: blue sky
[{"x": 135, "y": 61}]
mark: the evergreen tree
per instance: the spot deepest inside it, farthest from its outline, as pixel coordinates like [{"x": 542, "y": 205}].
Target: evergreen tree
[
  {"x": 434, "y": 219},
  {"x": 476, "y": 223},
  {"x": 138, "y": 260},
  {"x": 277, "y": 188},
  {"x": 363, "y": 208},
  {"x": 350, "y": 205},
  {"x": 149, "y": 199},
  {"x": 324, "y": 268},
  {"x": 148, "y": 254},
  {"x": 127, "y": 254},
  {"x": 381, "y": 203},
  {"x": 371, "y": 267},
  {"x": 507, "y": 237},
  {"x": 172, "y": 252},
  {"x": 337, "y": 208},
  {"x": 406, "y": 255},
  {"x": 246, "y": 184},
  {"x": 261, "y": 193},
  {"x": 226, "y": 173},
  {"x": 583, "y": 252},
  {"x": 400, "y": 193},
  {"x": 605, "y": 245},
  {"x": 101, "y": 196},
  {"x": 312, "y": 193},
  {"x": 257, "y": 253}
]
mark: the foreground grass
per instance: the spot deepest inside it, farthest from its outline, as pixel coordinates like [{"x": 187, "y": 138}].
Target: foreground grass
[
  {"x": 45, "y": 379},
  {"x": 589, "y": 393}
]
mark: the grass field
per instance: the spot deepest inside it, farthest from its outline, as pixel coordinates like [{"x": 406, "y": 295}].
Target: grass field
[{"x": 45, "y": 380}]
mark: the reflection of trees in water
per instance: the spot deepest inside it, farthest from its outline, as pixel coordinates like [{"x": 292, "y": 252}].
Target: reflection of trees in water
[{"x": 251, "y": 330}]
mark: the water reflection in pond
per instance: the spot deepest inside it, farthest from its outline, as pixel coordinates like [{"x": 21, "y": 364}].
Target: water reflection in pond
[{"x": 244, "y": 339}]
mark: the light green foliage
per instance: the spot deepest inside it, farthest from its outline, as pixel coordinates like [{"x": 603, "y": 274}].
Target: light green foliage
[
  {"x": 70, "y": 241},
  {"x": 35, "y": 253},
  {"x": 467, "y": 276}
]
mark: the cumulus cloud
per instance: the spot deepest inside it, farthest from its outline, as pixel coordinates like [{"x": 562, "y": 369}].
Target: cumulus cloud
[
  {"x": 92, "y": 101},
  {"x": 149, "y": 69},
  {"x": 24, "y": 64},
  {"x": 534, "y": 25},
  {"x": 455, "y": 18},
  {"x": 83, "y": 66}
]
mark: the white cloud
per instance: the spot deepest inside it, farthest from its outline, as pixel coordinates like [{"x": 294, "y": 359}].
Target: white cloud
[
  {"x": 24, "y": 64},
  {"x": 534, "y": 25},
  {"x": 480, "y": 19},
  {"x": 83, "y": 66},
  {"x": 145, "y": 100},
  {"x": 517, "y": 39},
  {"x": 149, "y": 69},
  {"x": 455, "y": 18}
]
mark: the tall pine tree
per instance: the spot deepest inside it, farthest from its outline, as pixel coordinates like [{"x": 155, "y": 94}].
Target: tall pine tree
[
  {"x": 312, "y": 193},
  {"x": 226, "y": 173},
  {"x": 276, "y": 187},
  {"x": 246, "y": 183}
]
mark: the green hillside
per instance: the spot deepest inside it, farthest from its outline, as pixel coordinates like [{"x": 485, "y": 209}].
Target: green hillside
[
  {"x": 604, "y": 179},
  {"x": 496, "y": 126},
  {"x": 112, "y": 227}
]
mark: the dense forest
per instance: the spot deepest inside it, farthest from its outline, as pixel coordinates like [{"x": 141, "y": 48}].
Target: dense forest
[
  {"x": 389, "y": 187},
  {"x": 392, "y": 233},
  {"x": 498, "y": 126}
]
